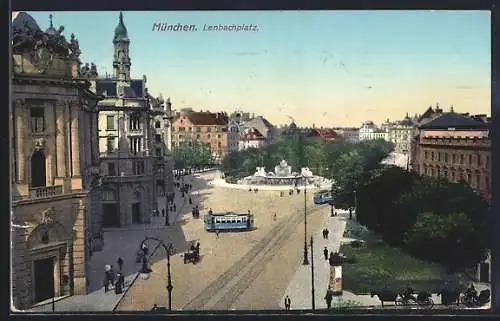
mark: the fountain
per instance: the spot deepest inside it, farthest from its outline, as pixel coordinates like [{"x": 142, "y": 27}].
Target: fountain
[{"x": 284, "y": 176}]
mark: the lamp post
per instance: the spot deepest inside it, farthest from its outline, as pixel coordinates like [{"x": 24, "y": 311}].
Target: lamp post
[
  {"x": 332, "y": 214},
  {"x": 145, "y": 272},
  {"x": 306, "y": 259},
  {"x": 312, "y": 276}
]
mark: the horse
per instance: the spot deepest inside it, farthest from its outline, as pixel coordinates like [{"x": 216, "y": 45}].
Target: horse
[
  {"x": 449, "y": 297},
  {"x": 385, "y": 296}
]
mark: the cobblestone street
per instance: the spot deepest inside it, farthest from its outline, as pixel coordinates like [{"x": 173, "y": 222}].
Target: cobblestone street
[{"x": 239, "y": 270}]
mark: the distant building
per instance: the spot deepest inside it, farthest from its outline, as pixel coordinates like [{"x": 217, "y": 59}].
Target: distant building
[
  {"x": 264, "y": 127},
  {"x": 370, "y": 131},
  {"x": 209, "y": 128},
  {"x": 233, "y": 136},
  {"x": 251, "y": 138},
  {"x": 328, "y": 135},
  {"x": 455, "y": 147},
  {"x": 55, "y": 169},
  {"x": 400, "y": 133},
  {"x": 350, "y": 135}
]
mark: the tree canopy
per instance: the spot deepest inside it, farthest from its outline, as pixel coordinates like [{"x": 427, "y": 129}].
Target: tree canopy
[{"x": 192, "y": 153}]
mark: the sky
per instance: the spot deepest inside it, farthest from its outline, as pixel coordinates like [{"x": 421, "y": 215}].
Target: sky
[{"x": 327, "y": 68}]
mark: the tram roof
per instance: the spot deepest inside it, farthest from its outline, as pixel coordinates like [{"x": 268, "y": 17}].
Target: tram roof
[{"x": 229, "y": 214}]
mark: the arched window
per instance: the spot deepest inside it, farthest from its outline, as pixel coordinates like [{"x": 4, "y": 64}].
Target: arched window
[{"x": 157, "y": 124}]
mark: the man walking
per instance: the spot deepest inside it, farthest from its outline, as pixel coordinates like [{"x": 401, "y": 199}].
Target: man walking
[
  {"x": 328, "y": 298},
  {"x": 326, "y": 233},
  {"x": 120, "y": 263},
  {"x": 325, "y": 253},
  {"x": 216, "y": 234},
  {"x": 288, "y": 303},
  {"x": 163, "y": 212}
]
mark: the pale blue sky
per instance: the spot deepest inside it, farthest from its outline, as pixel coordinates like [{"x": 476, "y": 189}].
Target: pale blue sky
[{"x": 395, "y": 61}]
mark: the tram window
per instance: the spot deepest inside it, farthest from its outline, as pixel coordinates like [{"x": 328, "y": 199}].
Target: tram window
[{"x": 243, "y": 219}]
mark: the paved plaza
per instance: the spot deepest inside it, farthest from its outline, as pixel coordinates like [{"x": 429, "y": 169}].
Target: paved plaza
[{"x": 240, "y": 270}]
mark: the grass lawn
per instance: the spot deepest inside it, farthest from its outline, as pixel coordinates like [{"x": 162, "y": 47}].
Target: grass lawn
[{"x": 379, "y": 266}]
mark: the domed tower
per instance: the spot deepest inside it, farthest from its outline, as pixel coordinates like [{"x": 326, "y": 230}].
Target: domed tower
[{"x": 121, "y": 61}]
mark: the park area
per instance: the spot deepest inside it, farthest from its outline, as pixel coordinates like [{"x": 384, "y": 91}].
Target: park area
[{"x": 373, "y": 265}]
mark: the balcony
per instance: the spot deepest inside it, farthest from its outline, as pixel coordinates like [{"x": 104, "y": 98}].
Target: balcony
[{"x": 20, "y": 194}]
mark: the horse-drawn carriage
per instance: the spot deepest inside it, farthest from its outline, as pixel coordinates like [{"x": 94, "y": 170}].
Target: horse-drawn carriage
[{"x": 193, "y": 255}]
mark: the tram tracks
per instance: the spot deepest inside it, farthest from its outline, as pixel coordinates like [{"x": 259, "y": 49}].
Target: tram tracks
[{"x": 226, "y": 289}]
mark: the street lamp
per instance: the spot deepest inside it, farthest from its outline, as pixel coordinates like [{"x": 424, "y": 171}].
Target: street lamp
[
  {"x": 306, "y": 258},
  {"x": 145, "y": 271},
  {"x": 332, "y": 214},
  {"x": 167, "y": 199},
  {"x": 312, "y": 277}
]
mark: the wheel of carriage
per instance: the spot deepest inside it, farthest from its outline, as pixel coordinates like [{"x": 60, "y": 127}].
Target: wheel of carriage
[
  {"x": 185, "y": 259},
  {"x": 427, "y": 303},
  {"x": 399, "y": 301}
]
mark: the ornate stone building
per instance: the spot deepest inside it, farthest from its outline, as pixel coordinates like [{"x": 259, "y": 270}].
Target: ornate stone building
[
  {"x": 400, "y": 133},
  {"x": 55, "y": 165},
  {"x": 125, "y": 137},
  {"x": 370, "y": 131},
  {"x": 456, "y": 147},
  {"x": 162, "y": 116}
]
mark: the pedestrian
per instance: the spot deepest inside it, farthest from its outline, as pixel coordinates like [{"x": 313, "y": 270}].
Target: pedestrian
[
  {"x": 288, "y": 303},
  {"x": 323, "y": 232},
  {"x": 325, "y": 253},
  {"x": 249, "y": 212},
  {"x": 190, "y": 201},
  {"x": 275, "y": 217},
  {"x": 145, "y": 249},
  {"x": 198, "y": 247},
  {"x": 329, "y": 298},
  {"x": 120, "y": 263},
  {"x": 106, "y": 278},
  {"x": 112, "y": 275},
  {"x": 326, "y": 233},
  {"x": 119, "y": 284},
  {"x": 163, "y": 212},
  {"x": 175, "y": 208},
  {"x": 210, "y": 212},
  {"x": 216, "y": 234}
]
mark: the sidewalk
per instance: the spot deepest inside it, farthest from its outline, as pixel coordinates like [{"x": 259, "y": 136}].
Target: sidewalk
[
  {"x": 118, "y": 242},
  {"x": 299, "y": 289}
]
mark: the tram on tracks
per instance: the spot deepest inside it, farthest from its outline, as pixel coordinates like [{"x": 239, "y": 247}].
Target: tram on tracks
[
  {"x": 228, "y": 222},
  {"x": 323, "y": 197}
]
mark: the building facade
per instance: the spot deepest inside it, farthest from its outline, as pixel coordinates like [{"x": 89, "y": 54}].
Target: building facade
[
  {"x": 251, "y": 138},
  {"x": 263, "y": 126},
  {"x": 55, "y": 165},
  {"x": 205, "y": 127},
  {"x": 350, "y": 135},
  {"x": 455, "y": 147},
  {"x": 125, "y": 137},
  {"x": 400, "y": 133},
  {"x": 327, "y": 135},
  {"x": 370, "y": 131},
  {"x": 162, "y": 145},
  {"x": 233, "y": 136}
]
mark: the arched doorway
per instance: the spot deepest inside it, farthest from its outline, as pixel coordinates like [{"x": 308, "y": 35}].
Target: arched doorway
[
  {"x": 38, "y": 170},
  {"x": 110, "y": 209}
]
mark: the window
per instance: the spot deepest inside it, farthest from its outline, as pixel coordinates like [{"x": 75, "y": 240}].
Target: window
[
  {"x": 190, "y": 129},
  {"x": 219, "y": 136},
  {"x": 197, "y": 136},
  {"x": 445, "y": 174},
  {"x": 479, "y": 160},
  {"x": 135, "y": 144},
  {"x": 439, "y": 156},
  {"x": 469, "y": 178},
  {"x": 426, "y": 155},
  {"x": 453, "y": 176},
  {"x": 217, "y": 129},
  {"x": 182, "y": 129},
  {"x": 111, "y": 169},
  {"x": 110, "y": 122},
  {"x": 158, "y": 138},
  {"x": 470, "y": 159},
  {"x": 37, "y": 119},
  {"x": 209, "y": 129},
  {"x": 135, "y": 122},
  {"x": 446, "y": 158},
  {"x": 432, "y": 155},
  {"x": 198, "y": 129},
  {"x": 438, "y": 173},
  {"x": 487, "y": 183},
  {"x": 478, "y": 181},
  {"x": 45, "y": 238},
  {"x": 462, "y": 159},
  {"x": 454, "y": 158},
  {"x": 110, "y": 144},
  {"x": 139, "y": 167},
  {"x": 157, "y": 124},
  {"x": 487, "y": 162},
  {"x": 208, "y": 136},
  {"x": 158, "y": 152}
]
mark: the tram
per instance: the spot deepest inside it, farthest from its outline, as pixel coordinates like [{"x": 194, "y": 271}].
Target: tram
[
  {"x": 323, "y": 197},
  {"x": 228, "y": 221}
]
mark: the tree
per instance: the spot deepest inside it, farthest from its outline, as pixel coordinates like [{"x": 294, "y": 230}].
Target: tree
[{"x": 192, "y": 153}]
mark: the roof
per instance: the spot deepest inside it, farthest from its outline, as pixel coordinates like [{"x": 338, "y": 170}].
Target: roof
[
  {"x": 21, "y": 20},
  {"x": 260, "y": 119},
  {"x": 428, "y": 113},
  {"x": 252, "y": 134},
  {"x": 326, "y": 134},
  {"x": 121, "y": 33},
  {"x": 207, "y": 119},
  {"x": 108, "y": 86},
  {"x": 454, "y": 120},
  {"x": 407, "y": 121}
]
